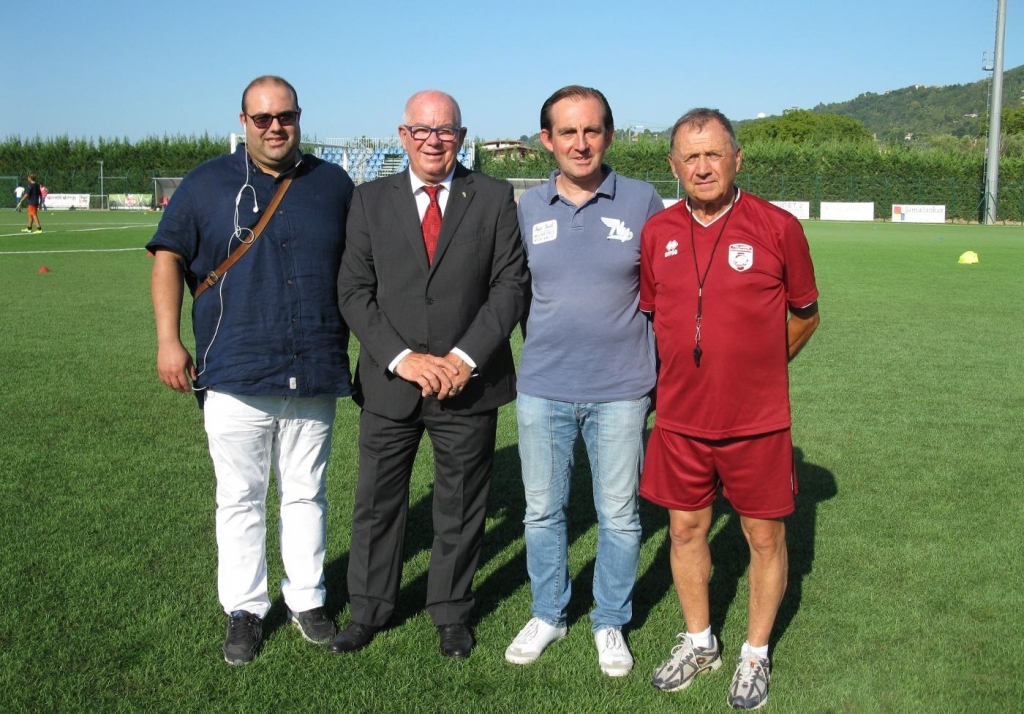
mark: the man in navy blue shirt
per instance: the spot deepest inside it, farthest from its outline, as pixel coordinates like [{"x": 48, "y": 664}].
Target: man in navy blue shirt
[{"x": 271, "y": 352}]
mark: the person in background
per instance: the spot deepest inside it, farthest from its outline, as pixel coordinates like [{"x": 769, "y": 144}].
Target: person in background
[{"x": 33, "y": 197}]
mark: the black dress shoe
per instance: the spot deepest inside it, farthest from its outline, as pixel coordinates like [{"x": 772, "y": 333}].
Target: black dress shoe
[
  {"x": 355, "y": 637},
  {"x": 456, "y": 640}
]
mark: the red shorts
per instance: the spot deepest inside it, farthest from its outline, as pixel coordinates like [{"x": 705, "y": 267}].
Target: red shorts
[
  {"x": 32, "y": 210},
  {"x": 757, "y": 473}
]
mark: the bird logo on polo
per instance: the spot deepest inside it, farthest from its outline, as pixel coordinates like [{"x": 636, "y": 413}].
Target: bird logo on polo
[
  {"x": 741, "y": 256},
  {"x": 671, "y": 248},
  {"x": 618, "y": 230}
]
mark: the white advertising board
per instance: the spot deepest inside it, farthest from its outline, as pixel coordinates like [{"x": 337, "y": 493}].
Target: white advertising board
[
  {"x": 800, "y": 209},
  {"x": 910, "y": 213},
  {"x": 67, "y": 201},
  {"x": 833, "y": 211}
]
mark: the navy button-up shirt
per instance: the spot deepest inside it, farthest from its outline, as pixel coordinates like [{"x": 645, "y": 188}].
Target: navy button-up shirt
[{"x": 271, "y": 326}]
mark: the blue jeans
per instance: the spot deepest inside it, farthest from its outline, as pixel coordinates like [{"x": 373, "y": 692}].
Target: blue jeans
[{"x": 613, "y": 434}]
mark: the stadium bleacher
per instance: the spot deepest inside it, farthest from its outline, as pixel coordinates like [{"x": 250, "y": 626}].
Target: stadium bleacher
[{"x": 367, "y": 159}]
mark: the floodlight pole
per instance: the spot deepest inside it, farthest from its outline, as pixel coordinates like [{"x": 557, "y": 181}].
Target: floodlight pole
[
  {"x": 101, "y": 184},
  {"x": 995, "y": 120}
]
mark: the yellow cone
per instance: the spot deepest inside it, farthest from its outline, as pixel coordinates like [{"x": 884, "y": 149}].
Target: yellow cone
[{"x": 968, "y": 258}]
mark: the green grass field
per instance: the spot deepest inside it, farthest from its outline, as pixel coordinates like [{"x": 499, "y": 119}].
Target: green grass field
[{"x": 906, "y": 581}]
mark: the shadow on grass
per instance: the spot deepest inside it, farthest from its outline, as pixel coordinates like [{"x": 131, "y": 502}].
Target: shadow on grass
[
  {"x": 731, "y": 556},
  {"x": 581, "y": 519},
  {"x": 505, "y": 504},
  {"x": 816, "y": 485}
]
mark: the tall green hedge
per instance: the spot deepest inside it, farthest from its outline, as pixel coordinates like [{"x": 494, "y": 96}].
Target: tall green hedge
[
  {"x": 66, "y": 165},
  {"x": 831, "y": 171},
  {"x": 776, "y": 170}
]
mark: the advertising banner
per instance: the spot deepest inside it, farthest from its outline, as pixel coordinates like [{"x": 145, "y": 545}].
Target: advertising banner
[
  {"x": 67, "y": 201},
  {"x": 800, "y": 209},
  {"x": 909, "y": 213},
  {"x": 847, "y": 211},
  {"x": 130, "y": 201}
]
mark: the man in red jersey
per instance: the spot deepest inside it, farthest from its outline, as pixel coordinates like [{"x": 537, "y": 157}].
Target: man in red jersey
[{"x": 729, "y": 280}]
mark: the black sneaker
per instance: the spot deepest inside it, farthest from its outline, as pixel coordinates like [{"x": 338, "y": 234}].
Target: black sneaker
[
  {"x": 245, "y": 631},
  {"x": 314, "y": 625}
]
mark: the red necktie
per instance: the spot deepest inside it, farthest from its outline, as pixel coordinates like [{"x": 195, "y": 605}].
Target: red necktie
[{"x": 431, "y": 222}]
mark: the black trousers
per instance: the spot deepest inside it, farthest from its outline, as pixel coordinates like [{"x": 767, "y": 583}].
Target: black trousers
[{"x": 463, "y": 457}]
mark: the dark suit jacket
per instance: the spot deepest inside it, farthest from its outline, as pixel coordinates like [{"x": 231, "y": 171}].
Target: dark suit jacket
[{"x": 471, "y": 297}]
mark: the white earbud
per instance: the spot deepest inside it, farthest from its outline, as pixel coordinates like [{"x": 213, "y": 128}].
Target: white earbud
[{"x": 238, "y": 198}]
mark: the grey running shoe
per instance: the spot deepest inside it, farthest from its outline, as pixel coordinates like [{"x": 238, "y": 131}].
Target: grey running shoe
[
  {"x": 245, "y": 631},
  {"x": 314, "y": 625},
  {"x": 749, "y": 688},
  {"x": 686, "y": 663}
]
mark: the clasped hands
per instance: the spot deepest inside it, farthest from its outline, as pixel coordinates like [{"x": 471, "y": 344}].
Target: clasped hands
[{"x": 442, "y": 376}]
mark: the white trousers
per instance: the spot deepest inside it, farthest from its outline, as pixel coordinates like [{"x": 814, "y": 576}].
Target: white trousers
[{"x": 248, "y": 435}]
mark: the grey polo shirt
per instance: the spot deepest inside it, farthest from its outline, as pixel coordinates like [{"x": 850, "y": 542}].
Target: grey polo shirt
[{"x": 586, "y": 340}]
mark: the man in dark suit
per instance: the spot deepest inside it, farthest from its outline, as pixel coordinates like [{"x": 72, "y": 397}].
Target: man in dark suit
[{"x": 432, "y": 283}]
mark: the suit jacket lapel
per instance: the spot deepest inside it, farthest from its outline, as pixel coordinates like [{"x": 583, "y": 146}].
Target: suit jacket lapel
[
  {"x": 458, "y": 201},
  {"x": 408, "y": 217}
]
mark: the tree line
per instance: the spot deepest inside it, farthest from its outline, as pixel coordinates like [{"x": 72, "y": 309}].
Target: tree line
[
  {"x": 799, "y": 156},
  {"x": 67, "y": 165},
  {"x": 810, "y": 157}
]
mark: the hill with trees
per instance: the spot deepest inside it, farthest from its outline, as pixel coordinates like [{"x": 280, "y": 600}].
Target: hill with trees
[
  {"x": 921, "y": 112},
  {"x": 959, "y": 110}
]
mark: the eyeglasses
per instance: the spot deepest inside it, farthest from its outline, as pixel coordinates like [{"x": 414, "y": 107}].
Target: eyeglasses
[
  {"x": 419, "y": 132},
  {"x": 263, "y": 121}
]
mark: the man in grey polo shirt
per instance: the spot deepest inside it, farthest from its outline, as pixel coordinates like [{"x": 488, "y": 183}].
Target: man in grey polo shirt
[{"x": 587, "y": 368}]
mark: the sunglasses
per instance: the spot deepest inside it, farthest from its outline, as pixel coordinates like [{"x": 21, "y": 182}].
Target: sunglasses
[{"x": 263, "y": 121}]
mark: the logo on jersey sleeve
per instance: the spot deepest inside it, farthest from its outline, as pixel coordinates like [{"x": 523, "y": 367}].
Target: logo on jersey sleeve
[
  {"x": 545, "y": 232},
  {"x": 618, "y": 230},
  {"x": 741, "y": 256},
  {"x": 671, "y": 248}
]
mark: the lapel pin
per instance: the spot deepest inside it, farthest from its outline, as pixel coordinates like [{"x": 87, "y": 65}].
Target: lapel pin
[{"x": 463, "y": 194}]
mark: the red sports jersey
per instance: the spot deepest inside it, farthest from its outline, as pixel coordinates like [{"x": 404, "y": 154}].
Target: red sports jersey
[{"x": 761, "y": 266}]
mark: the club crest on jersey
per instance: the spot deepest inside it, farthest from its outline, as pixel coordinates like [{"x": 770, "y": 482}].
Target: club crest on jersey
[
  {"x": 671, "y": 248},
  {"x": 741, "y": 256},
  {"x": 618, "y": 230},
  {"x": 544, "y": 232}
]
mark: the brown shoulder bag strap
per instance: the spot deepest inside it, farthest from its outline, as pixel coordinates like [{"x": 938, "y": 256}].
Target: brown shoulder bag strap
[{"x": 214, "y": 275}]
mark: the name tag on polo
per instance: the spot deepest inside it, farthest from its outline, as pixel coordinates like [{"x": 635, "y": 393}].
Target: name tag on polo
[{"x": 544, "y": 232}]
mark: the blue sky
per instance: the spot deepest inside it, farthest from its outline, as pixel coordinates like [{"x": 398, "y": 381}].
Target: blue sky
[{"x": 113, "y": 68}]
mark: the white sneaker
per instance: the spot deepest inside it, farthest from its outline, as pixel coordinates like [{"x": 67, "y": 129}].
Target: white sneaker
[
  {"x": 532, "y": 640},
  {"x": 612, "y": 653}
]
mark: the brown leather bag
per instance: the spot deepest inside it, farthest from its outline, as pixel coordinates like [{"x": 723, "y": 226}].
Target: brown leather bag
[{"x": 214, "y": 275}]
